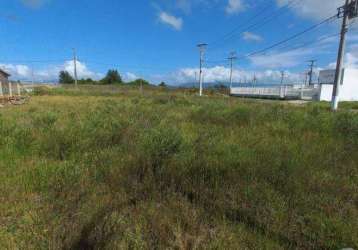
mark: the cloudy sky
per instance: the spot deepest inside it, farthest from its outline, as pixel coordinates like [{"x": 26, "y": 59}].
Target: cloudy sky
[{"x": 157, "y": 39}]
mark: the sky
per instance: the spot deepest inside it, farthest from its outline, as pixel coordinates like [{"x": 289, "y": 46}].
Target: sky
[{"x": 157, "y": 39}]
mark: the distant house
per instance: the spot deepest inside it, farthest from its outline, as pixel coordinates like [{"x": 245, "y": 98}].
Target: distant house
[
  {"x": 4, "y": 77},
  {"x": 4, "y": 83}
]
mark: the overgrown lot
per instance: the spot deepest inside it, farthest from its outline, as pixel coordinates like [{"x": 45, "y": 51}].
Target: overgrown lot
[{"x": 169, "y": 170}]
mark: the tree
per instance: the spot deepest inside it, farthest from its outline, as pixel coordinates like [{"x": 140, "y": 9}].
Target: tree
[
  {"x": 139, "y": 82},
  {"x": 163, "y": 85},
  {"x": 87, "y": 81},
  {"x": 112, "y": 77},
  {"x": 66, "y": 78}
]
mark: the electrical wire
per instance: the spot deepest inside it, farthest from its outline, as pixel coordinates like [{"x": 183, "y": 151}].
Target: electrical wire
[
  {"x": 289, "y": 38},
  {"x": 252, "y": 26}
]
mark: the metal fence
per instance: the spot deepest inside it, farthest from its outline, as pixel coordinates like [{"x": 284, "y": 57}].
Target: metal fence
[{"x": 277, "y": 92}]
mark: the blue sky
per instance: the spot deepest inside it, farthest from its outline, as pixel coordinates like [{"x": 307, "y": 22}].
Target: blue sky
[{"x": 157, "y": 39}]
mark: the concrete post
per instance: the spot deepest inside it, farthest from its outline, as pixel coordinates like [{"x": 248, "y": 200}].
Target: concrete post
[
  {"x": 1, "y": 92},
  {"x": 18, "y": 89},
  {"x": 10, "y": 89}
]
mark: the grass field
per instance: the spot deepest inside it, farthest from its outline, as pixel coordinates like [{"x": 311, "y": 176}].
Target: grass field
[{"x": 114, "y": 169}]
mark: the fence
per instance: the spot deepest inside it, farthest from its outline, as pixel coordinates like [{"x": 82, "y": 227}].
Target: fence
[
  {"x": 10, "y": 90},
  {"x": 277, "y": 92}
]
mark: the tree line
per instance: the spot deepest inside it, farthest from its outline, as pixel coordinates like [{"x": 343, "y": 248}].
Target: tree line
[{"x": 112, "y": 77}]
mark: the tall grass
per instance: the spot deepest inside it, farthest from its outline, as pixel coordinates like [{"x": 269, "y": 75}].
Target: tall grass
[{"x": 165, "y": 170}]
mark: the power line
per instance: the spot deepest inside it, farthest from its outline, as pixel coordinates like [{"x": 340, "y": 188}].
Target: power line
[
  {"x": 289, "y": 38},
  {"x": 255, "y": 25},
  {"x": 126, "y": 66},
  {"x": 34, "y": 61},
  {"x": 239, "y": 26},
  {"x": 306, "y": 44}
]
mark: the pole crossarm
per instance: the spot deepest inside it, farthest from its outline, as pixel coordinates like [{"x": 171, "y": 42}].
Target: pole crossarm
[{"x": 351, "y": 9}]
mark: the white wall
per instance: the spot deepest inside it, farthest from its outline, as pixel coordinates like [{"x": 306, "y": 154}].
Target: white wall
[
  {"x": 326, "y": 92},
  {"x": 348, "y": 91}
]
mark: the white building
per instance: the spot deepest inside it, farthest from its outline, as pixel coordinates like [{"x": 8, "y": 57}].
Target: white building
[{"x": 348, "y": 89}]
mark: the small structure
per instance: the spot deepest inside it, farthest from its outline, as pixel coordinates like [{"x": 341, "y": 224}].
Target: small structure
[
  {"x": 322, "y": 92},
  {"x": 4, "y": 76},
  {"x": 348, "y": 90},
  {"x": 9, "y": 92},
  {"x": 284, "y": 92},
  {"x": 5, "y": 85}
]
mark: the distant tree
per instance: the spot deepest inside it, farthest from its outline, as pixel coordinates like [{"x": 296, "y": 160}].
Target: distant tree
[
  {"x": 112, "y": 77},
  {"x": 163, "y": 85},
  {"x": 139, "y": 82},
  {"x": 220, "y": 86},
  {"x": 87, "y": 81},
  {"x": 66, "y": 78},
  {"x": 90, "y": 80}
]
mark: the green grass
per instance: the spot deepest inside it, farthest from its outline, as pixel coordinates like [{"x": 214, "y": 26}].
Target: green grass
[{"x": 108, "y": 168}]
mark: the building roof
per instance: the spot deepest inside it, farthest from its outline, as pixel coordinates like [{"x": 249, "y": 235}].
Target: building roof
[{"x": 4, "y": 73}]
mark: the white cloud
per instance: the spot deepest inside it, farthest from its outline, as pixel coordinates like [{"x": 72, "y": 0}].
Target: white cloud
[
  {"x": 281, "y": 59},
  {"x": 234, "y": 6},
  {"x": 50, "y": 73},
  {"x": 351, "y": 58},
  {"x": 17, "y": 71},
  {"x": 313, "y": 9},
  {"x": 248, "y": 36},
  {"x": 128, "y": 76},
  {"x": 184, "y": 5},
  {"x": 82, "y": 70},
  {"x": 174, "y": 22},
  {"x": 221, "y": 74}
]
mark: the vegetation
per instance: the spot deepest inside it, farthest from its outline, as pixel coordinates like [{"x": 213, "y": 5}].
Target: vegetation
[
  {"x": 163, "y": 85},
  {"x": 139, "y": 82},
  {"x": 112, "y": 77},
  {"x": 66, "y": 78},
  {"x": 85, "y": 169},
  {"x": 86, "y": 81}
]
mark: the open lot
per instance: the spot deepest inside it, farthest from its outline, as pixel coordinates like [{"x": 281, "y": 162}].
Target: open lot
[{"x": 101, "y": 168}]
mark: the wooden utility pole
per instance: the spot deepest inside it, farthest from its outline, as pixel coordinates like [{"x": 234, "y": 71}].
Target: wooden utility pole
[
  {"x": 310, "y": 74},
  {"x": 340, "y": 58},
  {"x": 202, "y": 48},
  {"x": 75, "y": 66}
]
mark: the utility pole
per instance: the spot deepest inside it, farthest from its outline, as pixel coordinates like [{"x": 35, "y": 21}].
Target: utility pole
[
  {"x": 232, "y": 57},
  {"x": 282, "y": 77},
  {"x": 202, "y": 48},
  {"x": 348, "y": 11},
  {"x": 310, "y": 74},
  {"x": 32, "y": 77},
  {"x": 254, "y": 80},
  {"x": 75, "y": 66}
]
